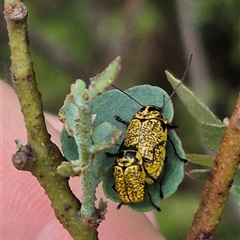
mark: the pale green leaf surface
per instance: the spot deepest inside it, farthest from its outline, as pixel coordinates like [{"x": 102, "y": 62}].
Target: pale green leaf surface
[
  {"x": 196, "y": 108},
  {"x": 77, "y": 90},
  {"x": 69, "y": 146},
  {"x": 199, "y": 174},
  {"x": 213, "y": 135},
  {"x": 77, "y": 119},
  {"x": 104, "y": 136},
  {"x": 69, "y": 109},
  {"x": 66, "y": 170},
  {"x": 204, "y": 160},
  {"x": 102, "y": 80}
]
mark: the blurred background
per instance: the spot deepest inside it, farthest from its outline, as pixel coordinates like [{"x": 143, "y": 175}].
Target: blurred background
[{"x": 72, "y": 40}]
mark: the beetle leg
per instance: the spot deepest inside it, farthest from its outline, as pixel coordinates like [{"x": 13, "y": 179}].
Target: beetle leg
[
  {"x": 160, "y": 191},
  {"x": 114, "y": 188},
  {"x": 119, "y": 205},
  {"x": 151, "y": 201},
  {"x": 171, "y": 125},
  {"x": 117, "y": 118},
  {"x": 162, "y": 179},
  {"x": 175, "y": 151}
]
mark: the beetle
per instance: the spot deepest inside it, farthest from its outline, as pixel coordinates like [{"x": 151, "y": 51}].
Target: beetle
[
  {"x": 142, "y": 154},
  {"x": 147, "y": 134},
  {"x": 146, "y": 138},
  {"x": 130, "y": 176}
]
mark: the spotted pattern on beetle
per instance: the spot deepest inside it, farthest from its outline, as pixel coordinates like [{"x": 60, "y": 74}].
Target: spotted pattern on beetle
[
  {"x": 129, "y": 176},
  {"x": 142, "y": 154},
  {"x": 147, "y": 133}
]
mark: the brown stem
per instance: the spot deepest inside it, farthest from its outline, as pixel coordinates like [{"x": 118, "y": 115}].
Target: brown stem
[
  {"x": 40, "y": 155},
  {"x": 217, "y": 188}
]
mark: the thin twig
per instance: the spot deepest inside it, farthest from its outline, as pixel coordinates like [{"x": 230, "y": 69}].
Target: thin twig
[{"x": 45, "y": 156}]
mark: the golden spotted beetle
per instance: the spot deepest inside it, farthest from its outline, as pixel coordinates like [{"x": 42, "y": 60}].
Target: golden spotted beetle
[
  {"x": 142, "y": 154},
  {"x": 129, "y": 175}
]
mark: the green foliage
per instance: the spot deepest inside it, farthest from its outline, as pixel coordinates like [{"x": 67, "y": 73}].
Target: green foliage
[
  {"x": 106, "y": 133},
  {"x": 80, "y": 136},
  {"x": 200, "y": 174},
  {"x": 88, "y": 47},
  {"x": 196, "y": 108},
  {"x": 69, "y": 146},
  {"x": 213, "y": 135},
  {"x": 212, "y": 128},
  {"x": 204, "y": 160},
  {"x": 104, "y": 136},
  {"x": 212, "y": 131},
  {"x": 76, "y": 116},
  {"x": 105, "y": 107}
]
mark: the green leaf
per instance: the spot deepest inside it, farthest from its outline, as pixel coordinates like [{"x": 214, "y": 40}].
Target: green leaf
[
  {"x": 104, "y": 136},
  {"x": 235, "y": 194},
  {"x": 76, "y": 114},
  {"x": 199, "y": 174},
  {"x": 77, "y": 90},
  {"x": 204, "y": 160},
  {"x": 68, "y": 109},
  {"x": 213, "y": 135},
  {"x": 69, "y": 146},
  {"x": 66, "y": 169},
  {"x": 77, "y": 119},
  {"x": 105, "y": 78},
  {"x": 196, "y": 108},
  {"x": 114, "y": 103}
]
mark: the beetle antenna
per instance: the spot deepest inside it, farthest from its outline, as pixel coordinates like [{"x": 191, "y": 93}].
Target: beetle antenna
[
  {"x": 128, "y": 95},
  {"x": 184, "y": 75}
]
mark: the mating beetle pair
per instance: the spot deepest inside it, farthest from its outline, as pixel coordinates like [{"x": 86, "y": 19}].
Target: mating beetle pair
[{"x": 142, "y": 154}]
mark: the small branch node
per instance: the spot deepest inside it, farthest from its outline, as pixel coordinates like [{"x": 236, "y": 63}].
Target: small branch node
[
  {"x": 16, "y": 12},
  {"x": 24, "y": 158}
]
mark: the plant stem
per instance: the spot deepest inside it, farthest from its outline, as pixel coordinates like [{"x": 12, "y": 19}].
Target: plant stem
[
  {"x": 217, "y": 188},
  {"x": 47, "y": 155}
]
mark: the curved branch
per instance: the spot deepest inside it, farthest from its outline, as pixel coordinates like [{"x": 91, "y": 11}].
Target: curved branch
[{"x": 44, "y": 157}]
